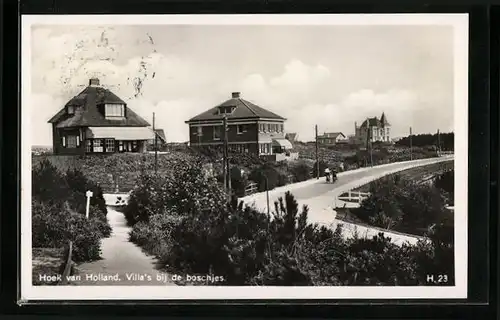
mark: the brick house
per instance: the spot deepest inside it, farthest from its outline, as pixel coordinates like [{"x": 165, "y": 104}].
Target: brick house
[
  {"x": 332, "y": 138},
  {"x": 96, "y": 121},
  {"x": 251, "y": 128}
]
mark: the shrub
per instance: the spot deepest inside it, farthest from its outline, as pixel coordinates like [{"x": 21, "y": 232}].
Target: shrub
[
  {"x": 402, "y": 205},
  {"x": 322, "y": 167},
  {"x": 266, "y": 176},
  {"x": 58, "y": 207},
  {"x": 301, "y": 171},
  {"x": 55, "y": 225},
  {"x": 446, "y": 182}
]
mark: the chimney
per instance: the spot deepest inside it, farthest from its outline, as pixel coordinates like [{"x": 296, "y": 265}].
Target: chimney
[
  {"x": 94, "y": 82},
  {"x": 236, "y": 95}
]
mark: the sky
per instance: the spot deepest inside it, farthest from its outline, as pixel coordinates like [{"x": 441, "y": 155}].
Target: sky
[{"x": 330, "y": 76}]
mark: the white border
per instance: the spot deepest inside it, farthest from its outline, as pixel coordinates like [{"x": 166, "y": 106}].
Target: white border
[{"x": 459, "y": 22}]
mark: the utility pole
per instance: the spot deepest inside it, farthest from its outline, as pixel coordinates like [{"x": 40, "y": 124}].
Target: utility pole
[
  {"x": 267, "y": 194},
  {"x": 155, "y": 145},
  {"x": 411, "y": 146},
  {"x": 369, "y": 140},
  {"x": 227, "y": 175},
  {"x": 439, "y": 144},
  {"x": 317, "y": 152}
]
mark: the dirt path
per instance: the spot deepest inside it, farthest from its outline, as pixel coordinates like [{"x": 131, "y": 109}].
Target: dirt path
[{"x": 123, "y": 263}]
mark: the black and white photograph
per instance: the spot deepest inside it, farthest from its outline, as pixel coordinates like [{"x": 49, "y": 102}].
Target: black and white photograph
[{"x": 244, "y": 156}]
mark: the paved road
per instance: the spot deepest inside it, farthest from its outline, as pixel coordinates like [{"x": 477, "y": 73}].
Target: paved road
[
  {"x": 121, "y": 259},
  {"x": 319, "y": 195}
]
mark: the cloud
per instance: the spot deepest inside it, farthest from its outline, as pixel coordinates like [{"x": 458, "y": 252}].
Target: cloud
[{"x": 153, "y": 78}]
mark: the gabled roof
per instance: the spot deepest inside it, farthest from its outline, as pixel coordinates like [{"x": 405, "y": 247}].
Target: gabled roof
[
  {"x": 161, "y": 134},
  {"x": 373, "y": 122},
  {"x": 88, "y": 114},
  {"x": 243, "y": 109},
  {"x": 333, "y": 135}
]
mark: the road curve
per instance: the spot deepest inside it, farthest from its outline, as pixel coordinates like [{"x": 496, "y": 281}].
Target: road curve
[{"x": 320, "y": 196}]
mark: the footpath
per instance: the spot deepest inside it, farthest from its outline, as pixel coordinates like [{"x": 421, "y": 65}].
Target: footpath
[{"x": 122, "y": 263}]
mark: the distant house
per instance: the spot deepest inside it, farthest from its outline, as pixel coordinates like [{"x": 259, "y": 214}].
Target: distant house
[
  {"x": 251, "y": 129},
  {"x": 161, "y": 139},
  {"x": 96, "y": 121},
  {"x": 374, "y": 130},
  {"x": 332, "y": 138}
]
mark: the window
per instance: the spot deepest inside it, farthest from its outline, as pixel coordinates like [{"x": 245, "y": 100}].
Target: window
[
  {"x": 120, "y": 146},
  {"x": 71, "y": 109},
  {"x": 134, "y": 146},
  {"x": 217, "y": 132},
  {"x": 240, "y": 128},
  {"x": 265, "y": 148},
  {"x": 115, "y": 111},
  {"x": 199, "y": 131},
  {"x": 226, "y": 110},
  {"x": 63, "y": 141},
  {"x": 71, "y": 141},
  {"x": 88, "y": 146},
  {"x": 110, "y": 145},
  {"x": 98, "y": 145}
]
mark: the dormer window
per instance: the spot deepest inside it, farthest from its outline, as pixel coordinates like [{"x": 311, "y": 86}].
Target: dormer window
[
  {"x": 226, "y": 110},
  {"x": 71, "y": 110},
  {"x": 114, "y": 111}
]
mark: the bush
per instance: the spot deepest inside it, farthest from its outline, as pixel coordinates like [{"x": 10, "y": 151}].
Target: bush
[
  {"x": 266, "y": 177},
  {"x": 249, "y": 247},
  {"x": 301, "y": 171},
  {"x": 402, "y": 205},
  {"x": 446, "y": 182},
  {"x": 322, "y": 167},
  {"x": 55, "y": 225},
  {"x": 58, "y": 207}
]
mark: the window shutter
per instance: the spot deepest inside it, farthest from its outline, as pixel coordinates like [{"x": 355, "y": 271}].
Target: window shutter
[{"x": 64, "y": 141}]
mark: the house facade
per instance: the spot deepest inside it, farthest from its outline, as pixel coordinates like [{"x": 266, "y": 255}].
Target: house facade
[
  {"x": 373, "y": 130},
  {"x": 161, "y": 139},
  {"x": 250, "y": 128},
  {"x": 332, "y": 138},
  {"x": 96, "y": 121}
]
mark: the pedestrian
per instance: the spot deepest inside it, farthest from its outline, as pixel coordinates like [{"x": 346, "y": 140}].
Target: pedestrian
[{"x": 327, "y": 174}]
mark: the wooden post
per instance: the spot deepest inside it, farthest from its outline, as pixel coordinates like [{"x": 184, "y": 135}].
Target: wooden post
[
  {"x": 439, "y": 144},
  {"x": 227, "y": 173},
  {"x": 267, "y": 194},
  {"x": 411, "y": 146},
  {"x": 88, "y": 194},
  {"x": 155, "y": 145},
  {"x": 317, "y": 152}
]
